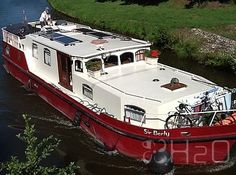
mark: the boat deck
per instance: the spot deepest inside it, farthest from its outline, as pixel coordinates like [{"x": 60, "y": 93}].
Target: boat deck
[{"x": 145, "y": 81}]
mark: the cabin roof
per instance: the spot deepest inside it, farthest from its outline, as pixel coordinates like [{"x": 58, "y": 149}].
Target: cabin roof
[
  {"x": 146, "y": 81},
  {"x": 85, "y": 42}
]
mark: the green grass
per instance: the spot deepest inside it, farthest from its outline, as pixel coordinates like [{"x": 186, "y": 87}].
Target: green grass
[
  {"x": 143, "y": 20},
  {"x": 165, "y": 24}
]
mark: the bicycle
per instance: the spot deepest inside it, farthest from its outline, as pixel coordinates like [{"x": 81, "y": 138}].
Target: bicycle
[{"x": 188, "y": 116}]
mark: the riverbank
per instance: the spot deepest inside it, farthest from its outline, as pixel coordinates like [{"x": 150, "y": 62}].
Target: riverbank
[{"x": 167, "y": 25}]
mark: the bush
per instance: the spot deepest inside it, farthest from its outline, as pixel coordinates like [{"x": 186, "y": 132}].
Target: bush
[
  {"x": 162, "y": 38},
  {"x": 186, "y": 47},
  {"x": 36, "y": 152},
  {"x": 219, "y": 59}
]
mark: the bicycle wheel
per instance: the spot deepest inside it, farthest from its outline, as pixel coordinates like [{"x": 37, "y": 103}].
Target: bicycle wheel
[{"x": 178, "y": 121}]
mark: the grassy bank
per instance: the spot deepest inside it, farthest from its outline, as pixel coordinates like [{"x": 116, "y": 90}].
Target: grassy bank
[
  {"x": 142, "y": 20},
  {"x": 160, "y": 24}
]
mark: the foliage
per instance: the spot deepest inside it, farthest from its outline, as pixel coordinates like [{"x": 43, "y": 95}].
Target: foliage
[
  {"x": 36, "y": 152},
  {"x": 187, "y": 47},
  {"x": 219, "y": 59},
  {"x": 189, "y": 3},
  {"x": 199, "y": 3},
  {"x": 163, "y": 38},
  {"x": 94, "y": 65},
  {"x": 145, "y": 21},
  {"x": 140, "y": 2}
]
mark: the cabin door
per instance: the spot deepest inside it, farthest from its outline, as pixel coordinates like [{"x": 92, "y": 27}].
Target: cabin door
[{"x": 64, "y": 69}]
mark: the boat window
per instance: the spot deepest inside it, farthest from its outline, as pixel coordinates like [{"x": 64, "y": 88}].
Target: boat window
[
  {"x": 47, "y": 57},
  {"x": 111, "y": 61},
  {"x": 139, "y": 55},
  {"x": 78, "y": 66},
  {"x": 127, "y": 57},
  {"x": 7, "y": 50},
  {"x": 35, "y": 50},
  {"x": 87, "y": 91},
  {"x": 10, "y": 38},
  {"x": 94, "y": 64},
  {"x": 134, "y": 113}
]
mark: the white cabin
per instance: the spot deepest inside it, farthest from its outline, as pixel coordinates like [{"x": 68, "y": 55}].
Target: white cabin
[{"x": 108, "y": 72}]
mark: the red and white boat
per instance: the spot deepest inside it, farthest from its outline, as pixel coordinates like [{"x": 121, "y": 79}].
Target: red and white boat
[{"x": 104, "y": 83}]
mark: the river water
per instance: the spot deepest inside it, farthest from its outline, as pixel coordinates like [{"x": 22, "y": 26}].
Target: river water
[{"x": 76, "y": 145}]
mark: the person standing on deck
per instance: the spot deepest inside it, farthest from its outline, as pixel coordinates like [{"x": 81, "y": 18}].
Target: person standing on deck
[{"x": 45, "y": 18}]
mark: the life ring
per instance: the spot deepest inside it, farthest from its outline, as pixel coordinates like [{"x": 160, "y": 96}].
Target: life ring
[{"x": 228, "y": 120}]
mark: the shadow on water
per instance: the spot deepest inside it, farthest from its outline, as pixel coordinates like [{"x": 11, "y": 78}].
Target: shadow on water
[{"x": 76, "y": 145}]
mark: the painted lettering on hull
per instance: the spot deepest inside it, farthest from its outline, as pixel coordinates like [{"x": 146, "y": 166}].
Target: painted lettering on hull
[{"x": 157, "y": 132}]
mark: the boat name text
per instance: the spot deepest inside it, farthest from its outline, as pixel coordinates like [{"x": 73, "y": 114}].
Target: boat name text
[{"x": 157, "y": 132}]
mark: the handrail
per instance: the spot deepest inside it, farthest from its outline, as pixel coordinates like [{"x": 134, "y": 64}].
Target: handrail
[
  {"x": 197, "y": 113},
  {"x": 210, "y": 112}
]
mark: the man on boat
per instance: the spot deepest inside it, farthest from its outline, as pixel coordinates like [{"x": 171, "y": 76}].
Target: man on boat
[{"x": 45, "y": 18}]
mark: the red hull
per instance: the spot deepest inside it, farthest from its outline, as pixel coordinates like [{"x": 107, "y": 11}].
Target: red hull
[{"x": 186, "y": 145}]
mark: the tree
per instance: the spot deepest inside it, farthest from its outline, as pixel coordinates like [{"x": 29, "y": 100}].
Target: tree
[{"x": 36, "y": 152}]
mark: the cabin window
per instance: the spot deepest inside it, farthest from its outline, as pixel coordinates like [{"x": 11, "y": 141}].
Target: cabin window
[
  {"x": 111, "y": 61},
  {"x": 7, "y": 50},
  {"x": 5, "y": 35},
  {"x": 9, "y": 38},
  {"x": 94, "y": 64},
  {"x": 127, "y": 57},
  {"x": 134, "y": 113},
  {"x": 47, "y": 57},
  {"x": 35, "y": 50},
  {"x": 87, "y": 91},
  {"x": 139, "y": 55},
  {"x": 78, "y": 66},
  {"x": 15, "y": 41}
]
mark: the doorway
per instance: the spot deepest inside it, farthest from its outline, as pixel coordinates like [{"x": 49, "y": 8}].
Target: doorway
[{"x": 64, "y": 69}]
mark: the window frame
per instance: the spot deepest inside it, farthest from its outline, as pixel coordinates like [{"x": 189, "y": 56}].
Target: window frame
[
  {"x": 114, "y": 63},
  {"x": 47, "y": 53},
  {"x": 87, "y": 91},
  {"x": 138, "y": 114},
  {"x": 35, "y": 46},
  {"x": 140, "y": 55},
  {"x": 123, "y": 61},
  {"x": 79, "y": 66},
  {"x": 92, "y": 63}
]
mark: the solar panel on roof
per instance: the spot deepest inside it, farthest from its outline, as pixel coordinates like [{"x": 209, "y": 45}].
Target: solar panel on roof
[
  {"x": 57, "y": 35},
  {"x": 99, "y": 34},
  {"x": 84, "y": 30},
  {"x": 93, "y": 33},
  {"x": 66, "y": 40},
  {"x": 52, "y": 36}
]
